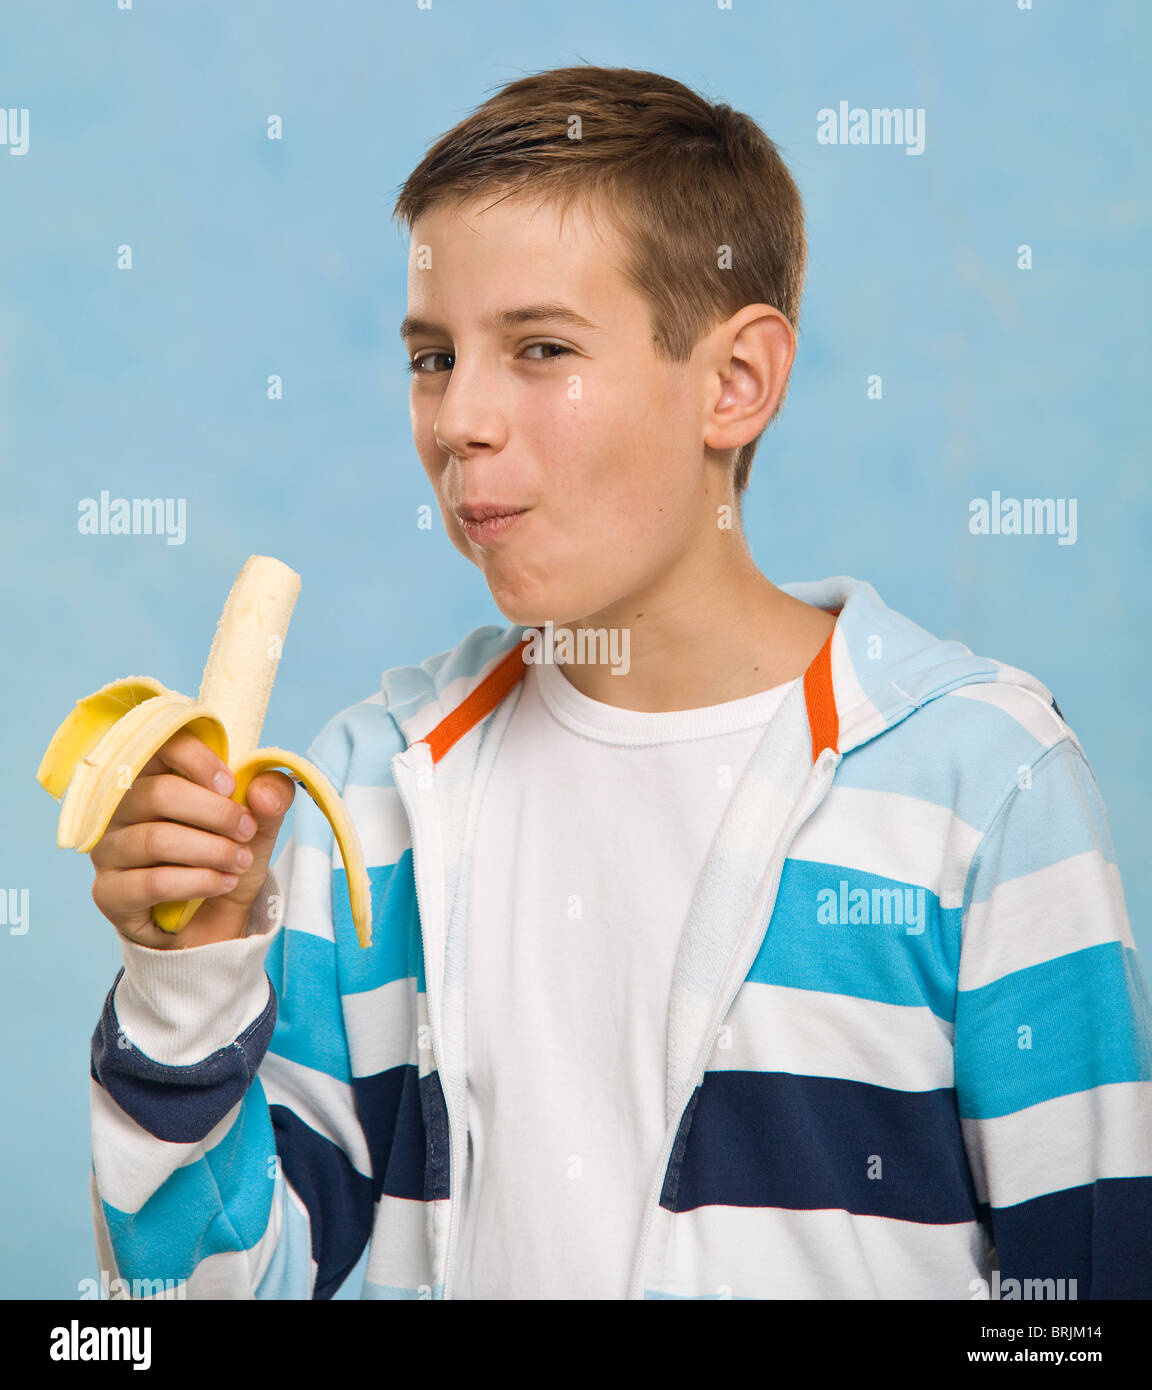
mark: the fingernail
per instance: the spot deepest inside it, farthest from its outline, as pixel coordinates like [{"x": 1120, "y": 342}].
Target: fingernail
[
  {"x": 243, "y": 858},
  {"x": 247, "y": 824},
  {"x": 224, "y": 783},
  {"x": 229, "y": 881}
]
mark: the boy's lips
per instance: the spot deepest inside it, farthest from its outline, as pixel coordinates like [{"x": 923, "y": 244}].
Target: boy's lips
[{"x": 485, "y": 521}]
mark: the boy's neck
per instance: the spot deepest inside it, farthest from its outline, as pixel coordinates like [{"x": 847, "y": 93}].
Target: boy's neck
[{"x": 697, "y": 643}]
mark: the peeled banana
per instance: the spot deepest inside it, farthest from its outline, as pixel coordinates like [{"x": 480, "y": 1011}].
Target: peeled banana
[{"x": 103, "y": 745}]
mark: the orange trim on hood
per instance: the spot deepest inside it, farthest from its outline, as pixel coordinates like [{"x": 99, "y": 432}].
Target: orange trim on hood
[
  {"x": 818, "y": 696},
  {"x": 482, "y": 701}
]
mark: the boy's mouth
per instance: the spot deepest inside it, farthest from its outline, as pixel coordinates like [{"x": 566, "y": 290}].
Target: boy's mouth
[{"x": 488, "y": 520}]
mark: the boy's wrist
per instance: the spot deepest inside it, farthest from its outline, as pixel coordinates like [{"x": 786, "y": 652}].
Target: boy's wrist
[{"x": 180, "y": 1006}]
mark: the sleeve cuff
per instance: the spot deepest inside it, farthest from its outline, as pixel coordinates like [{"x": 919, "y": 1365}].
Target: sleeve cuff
[{"x": 179, "y": 1007}]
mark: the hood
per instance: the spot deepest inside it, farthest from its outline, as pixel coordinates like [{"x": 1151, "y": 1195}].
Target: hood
[
  {"x": 883, "y": 665},
  {"x": 875, "y": 669}
]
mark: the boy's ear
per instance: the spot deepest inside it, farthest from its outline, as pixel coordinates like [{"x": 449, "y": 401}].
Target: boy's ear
[{"x": 750, "y": 357}]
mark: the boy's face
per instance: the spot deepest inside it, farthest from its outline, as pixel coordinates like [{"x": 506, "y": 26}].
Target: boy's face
[{"x": 595, "y": 439}]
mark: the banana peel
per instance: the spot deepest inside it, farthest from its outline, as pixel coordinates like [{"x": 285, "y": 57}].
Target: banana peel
[{"x": 105, "y": 742}]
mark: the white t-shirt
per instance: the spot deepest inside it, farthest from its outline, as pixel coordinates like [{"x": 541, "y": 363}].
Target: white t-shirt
[{"x": 593, "y": 830}]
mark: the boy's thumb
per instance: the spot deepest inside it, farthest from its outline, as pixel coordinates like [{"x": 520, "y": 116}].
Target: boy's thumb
[{"x": 269, "y": 798}]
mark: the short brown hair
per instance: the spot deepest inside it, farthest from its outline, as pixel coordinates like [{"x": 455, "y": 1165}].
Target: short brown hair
[{"x": 678, "y": 177}]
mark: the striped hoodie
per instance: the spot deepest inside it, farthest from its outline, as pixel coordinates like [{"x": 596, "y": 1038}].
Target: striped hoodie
[{"x": 909, "y": 1048}]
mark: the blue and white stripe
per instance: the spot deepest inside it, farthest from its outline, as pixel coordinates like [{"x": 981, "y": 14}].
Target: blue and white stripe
[{"x": 854, "y": 1110}]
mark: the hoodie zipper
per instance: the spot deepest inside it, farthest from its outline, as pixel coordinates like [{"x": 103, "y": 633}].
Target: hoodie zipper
[
  {"x": 818, "y": 783},
  {"x": 458, "y": 1155},
  {"x": 422, "y": 755}
]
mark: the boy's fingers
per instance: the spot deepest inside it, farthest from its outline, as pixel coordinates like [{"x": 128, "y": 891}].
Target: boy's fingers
[
  {"x": 270, "y": 795},
  {"x": 268, "y": 800},
  {"x": 169, "y": 842},
  {"x": 169, "y": 796},
  {"x": 192, "y": 758},
  {"x": 126, "y": 891}
]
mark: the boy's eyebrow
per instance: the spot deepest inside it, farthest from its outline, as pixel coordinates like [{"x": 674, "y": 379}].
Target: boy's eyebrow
[{"x": 508, "y": 318}]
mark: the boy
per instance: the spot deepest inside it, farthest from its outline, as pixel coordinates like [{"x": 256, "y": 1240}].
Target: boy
[{"x": 774, "y": 949}]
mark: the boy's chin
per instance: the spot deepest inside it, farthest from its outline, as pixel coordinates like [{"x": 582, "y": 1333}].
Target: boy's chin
[
  {"x": 534, "y": 603},
  {"x": 524, "y": 612},
  {"x": 522, "y": 615}
]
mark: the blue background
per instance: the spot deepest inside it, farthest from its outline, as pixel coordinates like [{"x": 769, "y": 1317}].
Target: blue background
[{"x": 252, "y": 257}]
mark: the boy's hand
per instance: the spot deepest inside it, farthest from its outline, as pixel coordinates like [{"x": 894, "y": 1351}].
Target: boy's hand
[{"x": 177, "y": 835}]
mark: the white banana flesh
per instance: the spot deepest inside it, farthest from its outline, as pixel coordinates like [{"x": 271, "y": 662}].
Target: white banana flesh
[{"x": 103, "y": 745}]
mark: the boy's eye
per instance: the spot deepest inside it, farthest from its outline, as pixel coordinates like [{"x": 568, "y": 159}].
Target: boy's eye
[
  {"x": 417, "y": 364},
  {"x": 559, "y": 347}
]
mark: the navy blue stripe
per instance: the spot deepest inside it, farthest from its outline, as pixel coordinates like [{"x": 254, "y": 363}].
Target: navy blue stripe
[
  {"x": 337, "y": 1197},
  {"x": 178, "y": 1104},
  {"x": 675, "y": 1169},
  {"x": 392, "y": 1106},
  {"x": 772, "y": 1139},
  {"x": 1099, "y": 1234},
  {"x": 435, "y": 1113}
]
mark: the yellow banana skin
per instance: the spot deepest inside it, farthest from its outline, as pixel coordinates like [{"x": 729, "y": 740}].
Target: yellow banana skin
[
  {"x": 106, "y": 741},
  {"x": 174, "y": 917},
  {"x": 93, "y": 716},
  {"x": 109, "y": 767}
]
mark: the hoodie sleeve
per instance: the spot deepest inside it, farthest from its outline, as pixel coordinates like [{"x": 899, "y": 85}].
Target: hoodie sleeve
[
  {"x": 228, "y": 1156},
  {"x": 1053, "y": 1043}
]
